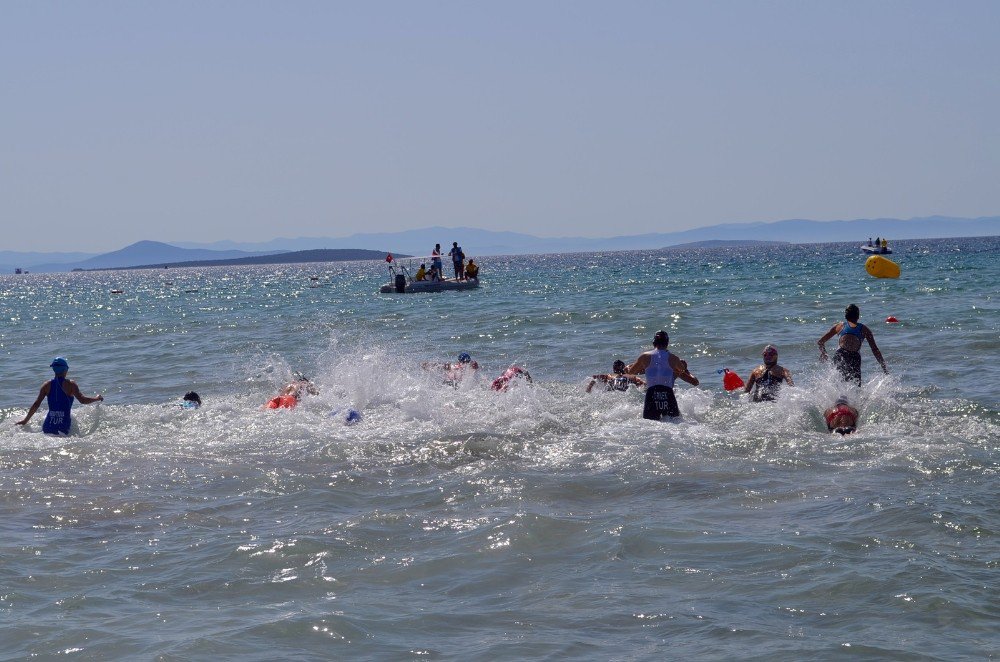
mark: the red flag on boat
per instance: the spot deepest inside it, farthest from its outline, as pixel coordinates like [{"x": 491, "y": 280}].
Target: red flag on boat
[{"x": 388, "y": 258}]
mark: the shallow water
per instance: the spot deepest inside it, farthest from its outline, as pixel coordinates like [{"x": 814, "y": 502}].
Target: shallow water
[{"x": 537, "y": 523}]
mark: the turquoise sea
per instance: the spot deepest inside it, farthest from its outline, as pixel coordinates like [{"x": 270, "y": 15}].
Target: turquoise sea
[{"x": 538, "y": 523}]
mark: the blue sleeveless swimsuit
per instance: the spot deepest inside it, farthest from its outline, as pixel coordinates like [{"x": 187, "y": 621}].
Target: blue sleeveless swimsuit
[{"x": 57, "y": 420}]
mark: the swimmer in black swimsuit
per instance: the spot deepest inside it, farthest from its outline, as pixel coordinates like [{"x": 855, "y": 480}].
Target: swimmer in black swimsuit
[
  {"x": 847, "y": 358},
  {"x": 618, "y": 381},
  {"x": 765, "y": 381}
]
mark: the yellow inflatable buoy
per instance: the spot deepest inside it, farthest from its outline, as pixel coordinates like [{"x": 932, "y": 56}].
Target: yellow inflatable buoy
[{"x": 881, "y": 267}]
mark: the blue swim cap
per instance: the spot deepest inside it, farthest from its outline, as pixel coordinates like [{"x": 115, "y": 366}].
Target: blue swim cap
[
  {"x": 464, "y": 358},
  {"x": 349, "y": 417},
  {"x": 59, "y": 364}
]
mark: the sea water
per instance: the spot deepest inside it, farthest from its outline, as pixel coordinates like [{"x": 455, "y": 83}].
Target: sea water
[{"x": 540, "y": 522}]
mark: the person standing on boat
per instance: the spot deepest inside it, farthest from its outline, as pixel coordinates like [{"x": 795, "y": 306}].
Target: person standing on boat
[
  {"x": 60, "y": 393},
  {"x": 847, "y": 358},
  {"x": 661, "y": 369},
  {"x": 765, "y": 381},
  {"x": 458, "y": 260},
  {"x": 436, "y": 259}
]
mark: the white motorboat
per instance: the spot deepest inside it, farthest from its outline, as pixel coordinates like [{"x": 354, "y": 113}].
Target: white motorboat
[
  {"x": 403, "y": 279},
  {"x": 875, "y": 250}
]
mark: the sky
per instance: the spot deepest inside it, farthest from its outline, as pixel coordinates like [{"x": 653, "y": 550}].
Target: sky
[{"x": 203, "y": 121}]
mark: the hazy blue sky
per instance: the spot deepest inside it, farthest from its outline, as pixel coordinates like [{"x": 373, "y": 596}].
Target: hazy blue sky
[{"x": 193, "y": 121}]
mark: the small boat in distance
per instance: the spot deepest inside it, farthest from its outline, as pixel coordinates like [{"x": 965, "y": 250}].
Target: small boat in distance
[
  {"x": 872, "y": 249},
  {"x": 402, "y": 282}
]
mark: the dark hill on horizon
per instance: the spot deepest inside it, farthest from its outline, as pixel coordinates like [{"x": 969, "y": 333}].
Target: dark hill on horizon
[
  {"x": 150, "y": 252},
  {"x": 290, "y": 257}
]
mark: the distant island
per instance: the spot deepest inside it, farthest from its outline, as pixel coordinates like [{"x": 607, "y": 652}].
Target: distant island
[{"x": 293, "y": 257}]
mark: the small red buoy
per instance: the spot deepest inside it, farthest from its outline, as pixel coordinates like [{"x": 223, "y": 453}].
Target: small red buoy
[
  {"x": 891, "y": 320},
  {"x": 730, "y": 380}
]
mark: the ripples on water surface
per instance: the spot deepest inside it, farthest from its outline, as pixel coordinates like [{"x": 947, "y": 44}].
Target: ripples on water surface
[{"x": 538, "y": 523}]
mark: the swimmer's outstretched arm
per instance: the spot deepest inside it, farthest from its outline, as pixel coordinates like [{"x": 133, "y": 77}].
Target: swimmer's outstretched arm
[
  {"x": 681, "y": 370},
  {"x": 826, "y": 336},
  {"x": 44, "y": 391},
  {"x": 83, "y": 399},
  {"x": 870, "y": 337},
  {"x": 639, "y": 366}
]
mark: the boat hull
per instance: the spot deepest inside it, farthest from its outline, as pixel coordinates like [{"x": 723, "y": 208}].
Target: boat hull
[
  {"x": 875, "y": 250},
  {"x": 417, "y": 286}
]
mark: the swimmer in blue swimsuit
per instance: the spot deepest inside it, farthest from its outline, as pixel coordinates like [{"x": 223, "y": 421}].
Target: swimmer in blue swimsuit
[
  {"x": 847, "y": 358},
  {"x": 60, "y": 393}
]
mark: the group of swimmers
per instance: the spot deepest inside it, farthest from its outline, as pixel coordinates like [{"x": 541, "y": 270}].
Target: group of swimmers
[
  {"x": 660, "y": 367},
  {"x": 765, "y": 381}
]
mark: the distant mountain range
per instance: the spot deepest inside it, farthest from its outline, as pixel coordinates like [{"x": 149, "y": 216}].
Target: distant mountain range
[{"x": 476, "y": 242}]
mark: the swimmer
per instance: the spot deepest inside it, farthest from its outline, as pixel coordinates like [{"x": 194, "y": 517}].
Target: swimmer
[
  {"x": 60, "y": 393},
  {"x": 766, "y": 380},
  {"x": 617, "y": 381},
  {"x": 191, "y": 400},
  {"x": 502, "y": 383},
  {"x": 842, "y": 418},
  {"x": 454, "y": 372},
  {"x": 661, "y": 369},
  {"x": 292, "y": 393},
  {"x": 847, "y": 358}
]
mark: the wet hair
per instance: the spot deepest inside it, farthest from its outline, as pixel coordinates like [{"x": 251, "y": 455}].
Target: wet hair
[
  {"x": 191, "y": 396},
  {"x": 852, "y": 313},
  {"x": 618, "y": 367},
  {"x": 661, "y": 340}
]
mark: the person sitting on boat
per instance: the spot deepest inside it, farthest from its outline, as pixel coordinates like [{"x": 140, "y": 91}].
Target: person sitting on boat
[
  {"x": 434, "y": 274},
  {"x": 471, "y": 270},
  {"x": 841, "y": 418},
  {"x": 869, "y": 241},
  {"x": 421, "y": 272},
  {"x": 617, "y": 381},
  {"x": 454, "y": 372},
  {"x": 292, "y": 393},
  {"x": 502, "y": 383},
  {"x": 766, "y": 379}
]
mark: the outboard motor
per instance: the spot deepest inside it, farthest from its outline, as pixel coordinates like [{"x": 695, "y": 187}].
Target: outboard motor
[{"x": 400, "y": 283}]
